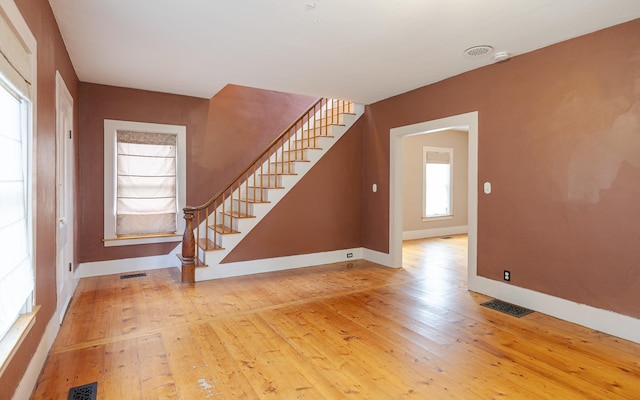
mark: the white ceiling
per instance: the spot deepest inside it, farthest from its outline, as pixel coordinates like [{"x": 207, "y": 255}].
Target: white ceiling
[{"x": 360, "y": 50}]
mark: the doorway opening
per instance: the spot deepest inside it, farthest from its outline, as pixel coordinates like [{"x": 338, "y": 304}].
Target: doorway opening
[{"x": 469, "y": 122}]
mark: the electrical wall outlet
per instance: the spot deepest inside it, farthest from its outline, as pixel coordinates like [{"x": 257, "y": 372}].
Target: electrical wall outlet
[
  {"x": 349, "y": 255},
  {"x": 507, "y": 275}
]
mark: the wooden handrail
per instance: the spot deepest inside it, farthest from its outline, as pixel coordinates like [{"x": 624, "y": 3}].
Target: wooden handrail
[{"x": 191, "y": 241}]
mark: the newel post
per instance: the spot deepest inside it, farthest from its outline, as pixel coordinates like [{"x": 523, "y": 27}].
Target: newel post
[{"x": 188, "y": 250}]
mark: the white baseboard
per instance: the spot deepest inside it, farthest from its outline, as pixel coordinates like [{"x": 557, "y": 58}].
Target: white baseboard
[
  {"x": 434, "y": 232},
  {"x": 227, "y": 270},
  {"x": 609, "y": 322},
  {"x": 99, "y": 268},
  {"x": 30, "y": 378},
  {"x": 378, "y": 258}
]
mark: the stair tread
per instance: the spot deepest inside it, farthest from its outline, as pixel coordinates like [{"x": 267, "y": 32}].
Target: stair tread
[
  {"x": 205, "y": 243},
  {"x": 314, "y": 137},
  {"x": 236, "y": 214},
  {"x": 264, "y": 187},
  {"x": 223, "y": 229},
  {"x": 277, "y": 173},
  {"x": 253, "y": 201}
]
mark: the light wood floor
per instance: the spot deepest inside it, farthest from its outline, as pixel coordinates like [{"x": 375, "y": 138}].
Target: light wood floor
[{"x": 356, "y": 331}]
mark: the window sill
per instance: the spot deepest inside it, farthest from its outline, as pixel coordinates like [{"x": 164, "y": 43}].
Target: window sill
[
  {"x": 135, "y": 240},
  {"x": 14, "y": 338},
  {"x": 438, "y": 218}
]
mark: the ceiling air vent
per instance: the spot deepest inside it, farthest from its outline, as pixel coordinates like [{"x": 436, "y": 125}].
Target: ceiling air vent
[{"x": 478, "y": 51}]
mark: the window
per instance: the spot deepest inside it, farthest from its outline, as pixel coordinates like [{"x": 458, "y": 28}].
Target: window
[
  {"x": 16, "y": 276},
  {"x": 144, "y": 182},
  {"x": 17, "y": 94},
  {"x": 438, "y": 162}
]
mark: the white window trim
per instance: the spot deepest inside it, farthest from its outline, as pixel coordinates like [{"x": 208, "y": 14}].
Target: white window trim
[
  {"x": 20, "y": 329},
  {"x": 110, "y": 128},
  {"x": 426, "y": 149}
]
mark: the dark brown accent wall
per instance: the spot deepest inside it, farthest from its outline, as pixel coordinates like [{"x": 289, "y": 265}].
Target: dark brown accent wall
[
  {"x": 321, "y": 213},
  {"x": 559, "y": 139},
  {"x": 52, "y": 55},
  {"x": 223, "y": 135}
]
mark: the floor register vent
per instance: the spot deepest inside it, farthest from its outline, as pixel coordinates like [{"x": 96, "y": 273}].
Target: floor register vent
[
  {"x": 507, "y": 308},
  {"x": 133, "y": 275},
  {"x": 84, "y": 392}
]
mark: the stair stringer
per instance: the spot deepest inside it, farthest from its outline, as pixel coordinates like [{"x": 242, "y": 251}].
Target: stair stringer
[{"x": 214, "y": 268}]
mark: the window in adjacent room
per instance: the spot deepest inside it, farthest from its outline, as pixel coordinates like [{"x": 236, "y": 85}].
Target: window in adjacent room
[
  {"x": 144, "y": 182},
  {"x": 438, "y": 188}
]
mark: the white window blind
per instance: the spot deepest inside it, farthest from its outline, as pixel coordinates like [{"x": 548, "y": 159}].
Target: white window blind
[
  {"x": 146, "y": 201},
  {"x": 15, "y": 58},
  {"x": 16, "y": 270}
]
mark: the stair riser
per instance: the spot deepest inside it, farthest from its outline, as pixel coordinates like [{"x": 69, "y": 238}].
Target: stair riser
[
  {"x": 254, "y": 194},
  {"x": 340, "y": 109},
  {"x": 318, "y": 142},
  {"x": 331, "y": 118},
  {"x": 243, "y": 207},
  {"x": 321, "y": 131},
  {"x": 295, "y": 155},
  {"x": 270, "y": 181},
  {"x": 306, "y": 143},
  {"x": 228, "y": 222},
  {"x": 283, "y": 168}
]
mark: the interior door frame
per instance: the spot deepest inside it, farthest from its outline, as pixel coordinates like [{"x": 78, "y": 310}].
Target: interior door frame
[
  {"x": 65, "y": 169},
  {"x": 469, "y": 120}
]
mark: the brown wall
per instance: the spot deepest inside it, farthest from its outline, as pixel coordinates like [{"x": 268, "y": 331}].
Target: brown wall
[
  {"x": 223, "y": 135},
  {"x": 321, "y": 213},
  {"x": 559, "y": 139},
  {"x": 241, "y": 123},
  {"x": 52, "y": 56},
  {"x": 97, "y": 103}
]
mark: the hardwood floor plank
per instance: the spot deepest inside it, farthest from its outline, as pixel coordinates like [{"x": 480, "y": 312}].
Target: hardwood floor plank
[
  {"x": 329, "y": 353},
  {"x": 436, "y": 348},
  {"x": 229, "y": 379},
  {"x": 191, "y": 373},
  {"x": 346, "y": 330},
  {"x": 121, "y": 376},
  {"x": 269, "y": 363},
  {"x": 156, "y": 378}
]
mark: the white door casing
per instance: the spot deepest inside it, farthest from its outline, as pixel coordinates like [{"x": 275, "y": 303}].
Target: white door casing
[
  {"x": 64, "y": 195},
  {"x": 470, "y": 122}
]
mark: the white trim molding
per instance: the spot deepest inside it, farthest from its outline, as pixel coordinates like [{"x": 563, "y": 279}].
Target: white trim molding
[
  {"x": 110, "y": 128},
  {"x": 110, "y": 267},
  {"x": 434, "y": 232},
  {"x": 470, "y": 123},
  {"x": 227, "y": 270},
  {"x": 601, "y": 320},
  {"x": 30, "y": 378}
]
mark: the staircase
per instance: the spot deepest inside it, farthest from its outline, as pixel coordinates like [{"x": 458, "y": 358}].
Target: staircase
[{"x": 213, "y": 229}]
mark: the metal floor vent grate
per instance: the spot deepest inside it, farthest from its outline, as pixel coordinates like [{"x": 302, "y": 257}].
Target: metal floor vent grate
[
  {"x": 133, "y": 275},
  {"x": 84, "y": 392},
  {"x": 507, "y": 308}
]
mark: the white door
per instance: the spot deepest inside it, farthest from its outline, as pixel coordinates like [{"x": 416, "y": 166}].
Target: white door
[{"x": 64, "y": 194}]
